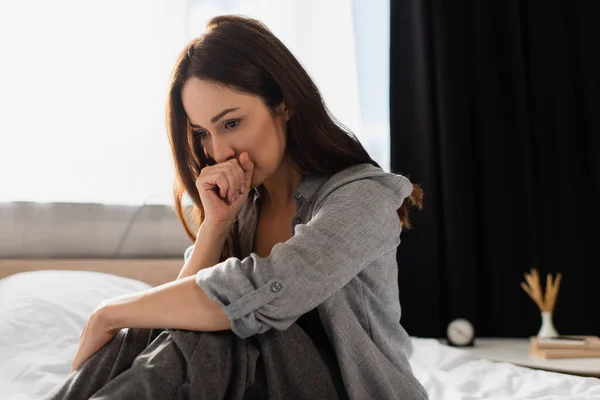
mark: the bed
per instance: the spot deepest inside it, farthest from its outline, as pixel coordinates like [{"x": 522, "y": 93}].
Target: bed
[{"x": 44, "y": 305}]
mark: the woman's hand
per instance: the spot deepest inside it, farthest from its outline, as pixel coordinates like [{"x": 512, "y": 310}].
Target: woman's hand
[
  {"x": 224, "y": 188},
  {"x": 96, "y": 333}
]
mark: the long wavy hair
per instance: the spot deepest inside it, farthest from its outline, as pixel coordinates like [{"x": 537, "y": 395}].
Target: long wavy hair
[{"x": 243, "y": 54}]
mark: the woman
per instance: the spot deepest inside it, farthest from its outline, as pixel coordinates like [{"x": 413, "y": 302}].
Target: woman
[{"x": 290, "y": 289}]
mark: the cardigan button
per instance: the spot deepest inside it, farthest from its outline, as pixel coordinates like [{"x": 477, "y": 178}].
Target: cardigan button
[{"x": 276, "y": 287}]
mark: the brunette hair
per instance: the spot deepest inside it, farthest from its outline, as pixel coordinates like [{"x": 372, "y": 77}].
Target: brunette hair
[{"x": 241, "y": 53}]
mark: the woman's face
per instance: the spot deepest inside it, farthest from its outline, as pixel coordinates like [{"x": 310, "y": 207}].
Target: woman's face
[{"x": 231, "y": 123}]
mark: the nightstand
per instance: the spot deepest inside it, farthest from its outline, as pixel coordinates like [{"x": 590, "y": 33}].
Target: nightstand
[{"x": 516, "y": 351}]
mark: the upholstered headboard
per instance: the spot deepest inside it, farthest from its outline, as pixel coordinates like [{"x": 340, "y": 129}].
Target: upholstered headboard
[
  {"x": 86, "y": 230},
  {"x": 139, "y": 242}
]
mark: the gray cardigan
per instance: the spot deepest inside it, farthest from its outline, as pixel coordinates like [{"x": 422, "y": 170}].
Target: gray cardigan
[{"x": 341, "y": 259}]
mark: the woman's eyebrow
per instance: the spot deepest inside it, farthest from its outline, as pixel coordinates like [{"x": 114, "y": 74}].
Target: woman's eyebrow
[{"x": 217, "y": 117}]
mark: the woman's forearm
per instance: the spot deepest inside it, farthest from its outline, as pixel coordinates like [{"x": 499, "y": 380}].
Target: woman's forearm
[
  {"x": 207, "y": 249},
  {"x": 180, "y": 304}
]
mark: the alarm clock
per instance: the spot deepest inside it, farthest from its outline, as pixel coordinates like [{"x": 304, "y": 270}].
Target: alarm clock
[{"x": 460, "y": 333}]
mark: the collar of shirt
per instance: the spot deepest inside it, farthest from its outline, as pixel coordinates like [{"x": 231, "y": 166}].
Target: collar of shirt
[
  {"x": 306, "y": 191},
  {"x": 303, "y": 199}
]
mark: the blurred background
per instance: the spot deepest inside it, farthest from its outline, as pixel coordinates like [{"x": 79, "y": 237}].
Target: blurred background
[{"x": 84, "y": 86}]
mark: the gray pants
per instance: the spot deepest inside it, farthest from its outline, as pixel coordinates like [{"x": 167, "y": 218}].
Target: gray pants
[{"x": 181, "y": 364}]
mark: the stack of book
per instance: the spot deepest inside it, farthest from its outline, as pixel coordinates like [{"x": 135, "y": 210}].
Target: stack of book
[{"x": 565, "y": 347}]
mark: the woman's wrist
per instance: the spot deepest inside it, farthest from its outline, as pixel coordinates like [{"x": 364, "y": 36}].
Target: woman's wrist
[
  {"x": 215, "y": 227},
  {"x": 207, "y": 248},
  {"x": 105, "y": 317}
]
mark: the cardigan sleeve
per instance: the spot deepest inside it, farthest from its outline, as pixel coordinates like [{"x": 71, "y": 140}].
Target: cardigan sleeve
[{"x": 353, "y": 226}]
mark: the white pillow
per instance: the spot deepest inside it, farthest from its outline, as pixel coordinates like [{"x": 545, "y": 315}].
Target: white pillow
[{"x": 42, "y": 315}]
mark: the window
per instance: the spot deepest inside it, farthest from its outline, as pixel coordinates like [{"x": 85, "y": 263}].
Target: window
[{"x": 84, "y": 86}]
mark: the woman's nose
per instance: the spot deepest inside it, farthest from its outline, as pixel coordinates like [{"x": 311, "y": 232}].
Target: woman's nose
[{"x": 222, "y": 151}]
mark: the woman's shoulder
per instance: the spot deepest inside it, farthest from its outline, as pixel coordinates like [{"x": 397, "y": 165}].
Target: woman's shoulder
[{"x": 365, "y": 182}]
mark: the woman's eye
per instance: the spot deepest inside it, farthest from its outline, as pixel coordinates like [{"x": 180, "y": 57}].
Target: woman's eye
[
  {"x": 229, "y": 125},
  {"x": 234, "y": 122}
]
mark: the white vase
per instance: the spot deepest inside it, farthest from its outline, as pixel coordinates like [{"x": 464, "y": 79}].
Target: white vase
[{"x": 547, "y": 330}]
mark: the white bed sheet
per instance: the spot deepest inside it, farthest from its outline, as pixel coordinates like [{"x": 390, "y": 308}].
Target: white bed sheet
[
  {"x": 451, "y": 374},
  {"x": 42, "y": 314}
]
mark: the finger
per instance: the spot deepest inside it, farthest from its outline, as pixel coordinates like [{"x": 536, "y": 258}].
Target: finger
[
  {"x": 228, "y": 191},
  {"x": 222, "y": 183},
  {"x": 248, "y": 167},
  {"x": 235, "y": 181},
  {"x": 75, "y": 362},
  {"x": 223, "y": 176},
  {"x": 214, "y": 179},
  {"x": 207, "y": 179},
  {"x": 83, "y": 332},
  {"x": 241, "y": 177}
]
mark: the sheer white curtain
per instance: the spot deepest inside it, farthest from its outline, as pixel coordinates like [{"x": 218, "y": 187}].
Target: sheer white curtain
[{"x": 83, "y": 87}]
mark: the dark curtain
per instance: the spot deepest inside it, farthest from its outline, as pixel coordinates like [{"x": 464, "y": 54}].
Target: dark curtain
[{"x": 495, "y": 111}]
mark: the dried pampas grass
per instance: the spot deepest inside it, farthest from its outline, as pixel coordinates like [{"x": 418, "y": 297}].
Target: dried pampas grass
[{"x": 545, "y": 301}]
